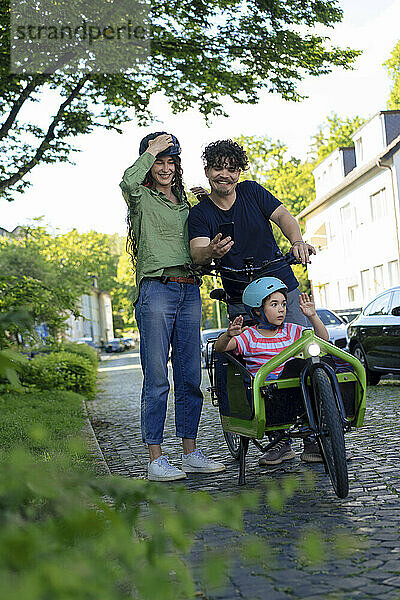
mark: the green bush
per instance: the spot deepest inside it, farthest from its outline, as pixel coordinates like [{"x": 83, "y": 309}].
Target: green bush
[
  {"x": 82, "y": 350},
  {"x": 61, "y": 371},
  {"x": 60, "y": 538}
]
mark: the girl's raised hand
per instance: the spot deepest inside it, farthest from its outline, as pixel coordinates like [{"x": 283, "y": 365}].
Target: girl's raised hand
[
  {"x": 307, "y": 305},
  {"x": 235, "y": 326}
]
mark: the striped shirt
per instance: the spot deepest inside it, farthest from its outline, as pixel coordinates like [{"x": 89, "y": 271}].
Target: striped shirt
[{"x": 257, "y": 349}]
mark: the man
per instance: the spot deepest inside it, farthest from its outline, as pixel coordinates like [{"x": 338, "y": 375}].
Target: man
[{"x": 251, "y": 208}]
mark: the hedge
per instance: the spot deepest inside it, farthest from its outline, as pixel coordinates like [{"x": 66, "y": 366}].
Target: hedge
[
  {"x": 82, "y": 350},
  {"x": 61, "y": 371}
]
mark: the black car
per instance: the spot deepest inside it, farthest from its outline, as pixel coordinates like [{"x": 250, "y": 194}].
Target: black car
[
  {"x": 129, "y": 343},
  {"x": 115, "y": 345},
  {"x": 374, "y": 336}
]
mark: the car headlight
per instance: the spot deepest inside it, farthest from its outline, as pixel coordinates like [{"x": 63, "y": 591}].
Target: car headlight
[{"x": 314, "y": 349}]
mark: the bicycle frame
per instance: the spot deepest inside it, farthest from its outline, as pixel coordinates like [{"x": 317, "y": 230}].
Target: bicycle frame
[
  {"x": 256, "y": 427},
  {"x": 252, "y": 407}
]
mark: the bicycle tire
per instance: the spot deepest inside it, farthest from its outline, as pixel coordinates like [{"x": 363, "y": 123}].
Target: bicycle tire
[
  {"x": 330, "y": 434},
  {"x": 233, "y": 443}
]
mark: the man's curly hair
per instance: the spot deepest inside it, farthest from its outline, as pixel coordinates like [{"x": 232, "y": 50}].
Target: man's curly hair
[{"x": 216, "y": 153}]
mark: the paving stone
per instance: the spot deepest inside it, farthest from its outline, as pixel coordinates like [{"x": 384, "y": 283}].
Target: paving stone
[
  {"x": 371, "y": 512},
  {"x": 393, "y": 581},
  {"x": 375, "y": 590},
  {"x": 372, "y": 564}
]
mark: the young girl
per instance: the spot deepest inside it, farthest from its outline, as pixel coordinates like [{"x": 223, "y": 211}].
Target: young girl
[{"x": 265, "y": 301}]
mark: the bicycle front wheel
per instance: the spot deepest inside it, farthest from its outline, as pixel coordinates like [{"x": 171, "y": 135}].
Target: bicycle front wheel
[{"x": 330, "y": 432}]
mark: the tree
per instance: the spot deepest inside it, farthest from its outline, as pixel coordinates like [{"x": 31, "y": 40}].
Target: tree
[
  {"x": 49, "y": 273},
  {"x": 287, "y": 177},
  {"x": 334, "y": 133},
  {"x": 50, "y": 305},
  {"x": 200, "y": 52},
  {"x": 123, "y": 290},
  {"x": 393, "y": 66}
]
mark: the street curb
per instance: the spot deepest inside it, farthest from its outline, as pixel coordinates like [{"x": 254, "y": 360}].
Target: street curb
[{"x": 94, "y": 446}]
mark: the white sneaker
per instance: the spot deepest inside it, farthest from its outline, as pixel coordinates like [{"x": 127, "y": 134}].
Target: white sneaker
[
  {"x": 160, "y": 470},
  {"x": 196, "y": 462}
]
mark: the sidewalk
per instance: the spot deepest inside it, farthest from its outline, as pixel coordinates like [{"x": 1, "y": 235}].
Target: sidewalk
[{"x": 371, "y": 511}]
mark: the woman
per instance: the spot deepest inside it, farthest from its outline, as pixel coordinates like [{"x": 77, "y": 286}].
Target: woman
[{"x": 168, "y": 305}]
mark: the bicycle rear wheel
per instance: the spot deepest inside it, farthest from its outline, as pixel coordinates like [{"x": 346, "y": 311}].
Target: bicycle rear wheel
[
  {"x": 330, "y": 432},
  {"x": 233, "y": 443}
]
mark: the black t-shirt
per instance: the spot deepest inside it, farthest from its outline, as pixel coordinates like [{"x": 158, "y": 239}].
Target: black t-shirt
[{"x": 253, "y": 233}]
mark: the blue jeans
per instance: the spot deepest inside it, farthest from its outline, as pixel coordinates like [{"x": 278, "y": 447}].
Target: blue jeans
[{"x": 169, "y": 314}]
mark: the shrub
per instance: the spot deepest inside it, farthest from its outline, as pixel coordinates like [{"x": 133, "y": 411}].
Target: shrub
[
  {"x": 61, "y": 371},
  {"x": 60, "y": 539},
  {"x": 82, "y": 350}
]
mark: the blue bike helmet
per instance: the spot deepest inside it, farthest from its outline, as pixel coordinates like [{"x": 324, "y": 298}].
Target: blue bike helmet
[
  {"x": 171, "y": 151},
  {"x": 255, "y": 293}
]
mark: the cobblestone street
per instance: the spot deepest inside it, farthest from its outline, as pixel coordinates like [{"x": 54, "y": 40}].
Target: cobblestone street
[{"x": 371, "y": 512}]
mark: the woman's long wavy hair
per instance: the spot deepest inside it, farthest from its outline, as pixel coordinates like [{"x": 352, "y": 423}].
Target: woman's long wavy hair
[{"x": 177, "y": 185}]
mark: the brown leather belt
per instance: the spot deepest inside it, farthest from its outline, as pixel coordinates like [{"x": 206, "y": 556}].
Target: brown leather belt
[
  {"x": 191, "y": 280},
  {"x": 164, "y": 279}
]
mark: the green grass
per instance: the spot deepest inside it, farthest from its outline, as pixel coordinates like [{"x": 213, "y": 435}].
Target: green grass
[{"x": 43, "y": 422}]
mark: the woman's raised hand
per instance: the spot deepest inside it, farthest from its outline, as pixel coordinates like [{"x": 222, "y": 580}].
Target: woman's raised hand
[{"x": 160, "y": 143}]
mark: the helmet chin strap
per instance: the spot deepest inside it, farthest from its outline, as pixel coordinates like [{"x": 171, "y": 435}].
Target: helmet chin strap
[{"x": 262, "y": 319}]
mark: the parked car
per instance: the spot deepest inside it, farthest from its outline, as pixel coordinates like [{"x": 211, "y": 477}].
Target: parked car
[
  {"x": 85, "y": 340},
  {"x": 129, "y": 343},
  {"x": 336, "y": 326},
  {"x": 374, "y": 336},
  {"x": 208, "y": 334},
  {"x": 115, "y": 345}
]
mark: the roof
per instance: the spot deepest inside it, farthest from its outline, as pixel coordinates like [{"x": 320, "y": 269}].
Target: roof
[
  {"x": 380, "y": 112},
  {"x": 352, "y": 177}
]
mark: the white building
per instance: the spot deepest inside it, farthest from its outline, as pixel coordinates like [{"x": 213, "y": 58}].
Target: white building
[
  {"x": 354, "y": 219},
  {"x": 96, "y": 320}
]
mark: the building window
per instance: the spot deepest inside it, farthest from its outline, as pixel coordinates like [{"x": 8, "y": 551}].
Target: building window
[
  {"x": 366, "y": 283},
  {"x": 346, "y": 217},
  {"x": 332, "y": 227},
  {"x": 378, "y": 205},
  {"x": 361, "y": 215},
  {"x": 345, "y": 214},
  {"x": 359, "y": 150},
  {"x": 393, "y": 267},
  {"x": 378, "y": 278},
  {"x": 339, "y": 294},
  {"x": 324, "y": 293},
  {"x": 352, "y": 293},
  {"x": 319, "y": 238}
]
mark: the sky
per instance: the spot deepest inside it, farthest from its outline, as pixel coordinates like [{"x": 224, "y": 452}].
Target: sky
[{"x": 87, "y": 196}]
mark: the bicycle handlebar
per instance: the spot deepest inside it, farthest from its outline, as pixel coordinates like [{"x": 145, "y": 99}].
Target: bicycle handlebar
[{"x": 249, "y": 269}]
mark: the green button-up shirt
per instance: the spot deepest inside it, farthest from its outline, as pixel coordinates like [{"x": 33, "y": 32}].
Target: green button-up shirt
[{"x": 159, "y": 225}]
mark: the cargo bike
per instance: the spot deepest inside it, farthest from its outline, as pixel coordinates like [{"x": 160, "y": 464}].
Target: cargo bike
[{"x": 324, "y": 396}]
